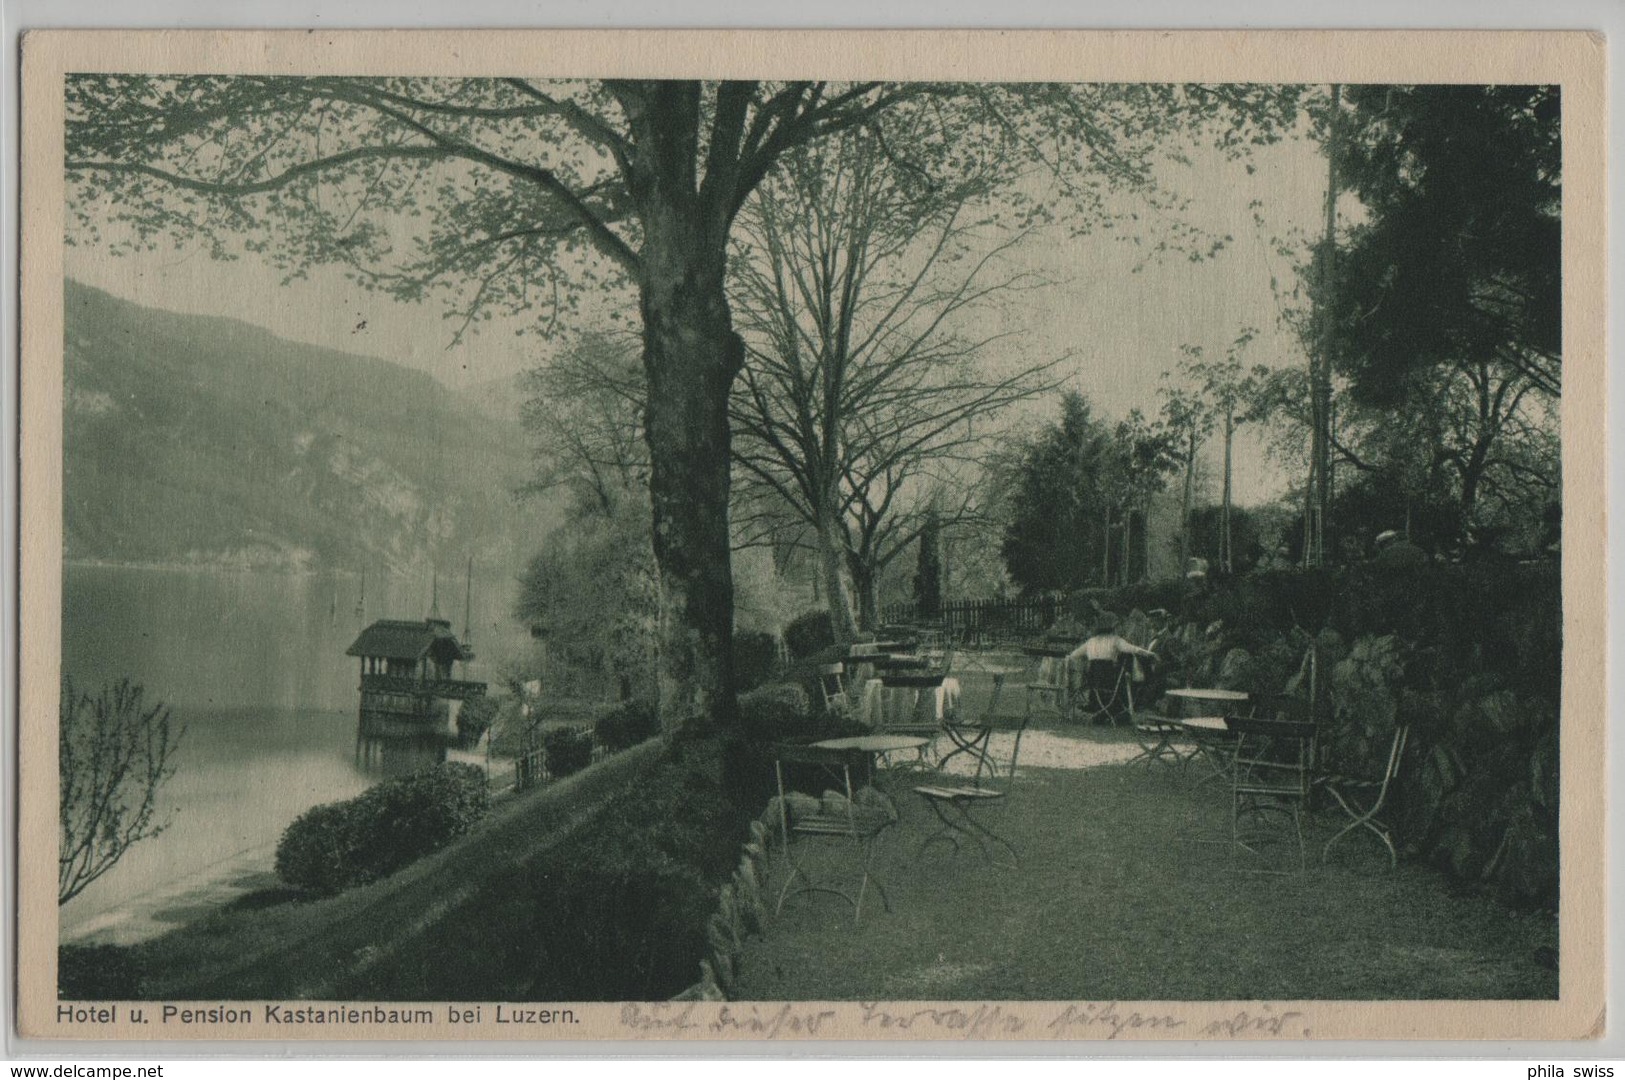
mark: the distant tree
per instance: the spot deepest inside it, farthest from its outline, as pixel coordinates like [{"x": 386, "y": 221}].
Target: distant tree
[
  {"x": 1226, "y": 390},
  {"x": 1142, "y": 456},
  {"x": 1060, "y": 494},
  {"x": 928, "y": 567},
  {"x": 1247, "y": 545},
  {"x": 114, "y": 755},
  {"x": 865, "y": 394},
  {"x": 593, "y": 594},
  {"x": 1189, "y": 424}
]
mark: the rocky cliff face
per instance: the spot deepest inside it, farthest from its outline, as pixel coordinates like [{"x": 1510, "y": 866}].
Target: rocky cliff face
[{"x": 204, "y": 441}]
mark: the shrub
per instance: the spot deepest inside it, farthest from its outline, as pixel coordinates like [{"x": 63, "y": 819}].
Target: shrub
[
  {"x": 336, "y": 846},
  {"x": 624, "y": 726},
  {"x": 775, "y": 711},
  {"x": 807, "y": 634},
  {"x": 756, "y": 659},
  {"x": 474, "y": 718},
  {"x": 783, "y": 712},
  {"x": 568, "y": 750}
]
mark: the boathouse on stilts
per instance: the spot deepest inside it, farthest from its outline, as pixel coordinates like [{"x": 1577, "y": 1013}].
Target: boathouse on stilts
[{"x": 407, "y": 691}]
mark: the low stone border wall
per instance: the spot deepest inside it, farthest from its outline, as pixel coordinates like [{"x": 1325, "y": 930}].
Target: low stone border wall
[{"x": 741, "y": 911}]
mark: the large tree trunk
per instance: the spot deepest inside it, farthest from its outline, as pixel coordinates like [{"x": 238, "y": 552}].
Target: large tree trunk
[
  {"x": 865, "y": 581},
  {"x": 691, "y": 356},
  {"x": 832, "y": 559}
]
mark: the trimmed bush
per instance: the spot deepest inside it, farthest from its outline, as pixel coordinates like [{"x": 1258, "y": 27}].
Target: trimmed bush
[
  {"x": 568, "y": 750},
  {"x": 474, "y": 718},
  {"x": 336, "y": 846},
  {"x": 626, "y": 725},
  {"x": 756, "y": 659},
  {"x": 807, "y": 634},
  {"x": 783, "y": 712}
]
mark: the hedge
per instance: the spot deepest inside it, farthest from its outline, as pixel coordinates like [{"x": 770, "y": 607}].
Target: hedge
[
  {"x": 808, "y": 633},
  {"x": 567, "y": 750},
  {"x": 624, "y": 726},
  {"x": 336, "y": 846}
]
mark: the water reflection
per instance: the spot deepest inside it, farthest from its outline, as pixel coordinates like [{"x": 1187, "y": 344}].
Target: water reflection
[{"x": 253, "y": 664}]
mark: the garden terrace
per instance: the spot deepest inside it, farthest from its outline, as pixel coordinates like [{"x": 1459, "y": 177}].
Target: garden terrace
[{"x": 1113, "y": 901}]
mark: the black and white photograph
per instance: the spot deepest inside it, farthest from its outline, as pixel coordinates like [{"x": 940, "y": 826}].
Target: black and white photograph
[{"x": 520, "y": 554}]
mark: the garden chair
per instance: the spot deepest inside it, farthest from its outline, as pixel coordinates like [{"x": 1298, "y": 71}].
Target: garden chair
[
  {"x": 1051, "y": 684},
  {"x": 921, "y": 686},
  {"x": 957, "y": 805},
  {"x": 1108, "y": 692},
  {"x": 1270, "y": 771},
  {"x": 832, "y": 683},
  {"x": 1157, "y": 737},
  {"x": 841, "y": 817},
  {"x": 1362, "y": 799}
]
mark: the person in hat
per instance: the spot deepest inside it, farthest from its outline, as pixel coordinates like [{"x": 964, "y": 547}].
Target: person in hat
[
  {"x": 1097, "y": 660},
  {"x": 1104, "y": 643}
]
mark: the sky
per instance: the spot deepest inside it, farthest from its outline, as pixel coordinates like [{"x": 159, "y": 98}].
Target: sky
[{"x": 1122, "y": 319}]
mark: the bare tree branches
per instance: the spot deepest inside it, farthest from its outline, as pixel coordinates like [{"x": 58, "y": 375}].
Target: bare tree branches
[{"x": 113, "y": 756}]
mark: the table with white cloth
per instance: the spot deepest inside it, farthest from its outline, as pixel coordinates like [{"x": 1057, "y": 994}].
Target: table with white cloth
[{"x": 893, "y": 701}]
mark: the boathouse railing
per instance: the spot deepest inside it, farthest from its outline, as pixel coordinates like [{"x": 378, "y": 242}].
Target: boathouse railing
[{"x": 452, "y": 689}]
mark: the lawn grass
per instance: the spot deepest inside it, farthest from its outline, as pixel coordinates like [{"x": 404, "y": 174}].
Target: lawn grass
[{"x": 1112, "y": 901}]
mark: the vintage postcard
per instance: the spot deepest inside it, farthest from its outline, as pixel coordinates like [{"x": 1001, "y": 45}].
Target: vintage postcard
[{"x": 1039, "y": 536}]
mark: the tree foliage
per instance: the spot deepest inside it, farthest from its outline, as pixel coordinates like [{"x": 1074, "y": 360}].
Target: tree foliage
[
  {"x": 583, "y": 412},
  {"x": 1070, "y": 482},
  {"x": 1459, "y": 261},
  {"x": 928, "y": 567},
  {"x": 114, "y": 754}
]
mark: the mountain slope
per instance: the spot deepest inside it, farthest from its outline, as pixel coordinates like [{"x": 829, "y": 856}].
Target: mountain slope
[{"x": 195, "y": 440}]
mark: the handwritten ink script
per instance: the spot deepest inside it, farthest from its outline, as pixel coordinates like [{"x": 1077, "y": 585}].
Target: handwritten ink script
[
  {"x": 1094, "y": 1019},
  {"x": 1088, "y": 1020}
]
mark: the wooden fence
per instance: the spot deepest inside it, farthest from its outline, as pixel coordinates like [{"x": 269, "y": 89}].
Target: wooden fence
[
  {"x": 981, "y": 621},
  {"x": 530, "y": 767}
]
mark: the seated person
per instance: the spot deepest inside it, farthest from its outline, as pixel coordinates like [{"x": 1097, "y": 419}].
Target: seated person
[
  {"x": 1099, "y": 658},
  {"x": 1106, "y": 644}
]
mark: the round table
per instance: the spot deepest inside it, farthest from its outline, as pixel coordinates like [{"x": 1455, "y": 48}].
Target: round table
[
  {"x": 874, "y": 744},
  {"x": 1193, "y": 696}
]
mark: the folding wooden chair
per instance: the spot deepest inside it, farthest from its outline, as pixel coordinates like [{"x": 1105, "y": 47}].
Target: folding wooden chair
[
  {"x": 956, "y": 805},
  {"x": 1108, "y": 692},
  {"x": 1050, "y": 683},
  {"x": 832, "y": 683},
  {"x": 842, "y": 818},
  {"x": 1156, "y": 736},
  {"x": 921, "y": 686},
  {"x": 1270, "y": 778},
  {"x": 1362, "y": 799}
]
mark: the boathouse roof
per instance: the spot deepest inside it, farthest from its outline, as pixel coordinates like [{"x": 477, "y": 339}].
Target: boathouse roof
[{"x": 404, "y": 639}]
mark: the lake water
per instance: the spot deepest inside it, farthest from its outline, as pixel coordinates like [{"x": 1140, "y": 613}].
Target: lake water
[{"x": 253, "y": 665}]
